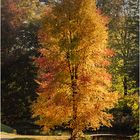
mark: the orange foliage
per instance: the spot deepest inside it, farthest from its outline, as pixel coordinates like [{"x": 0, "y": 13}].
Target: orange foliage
[
  {"x": 74, "y": 85},
  {"x": 14, "y": 13}
]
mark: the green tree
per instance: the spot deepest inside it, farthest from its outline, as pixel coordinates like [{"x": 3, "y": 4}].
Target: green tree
[{"x": 123, "y": 39}]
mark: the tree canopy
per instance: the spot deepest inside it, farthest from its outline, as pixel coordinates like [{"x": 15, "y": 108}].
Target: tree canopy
[{"x": 74, "y": 85}]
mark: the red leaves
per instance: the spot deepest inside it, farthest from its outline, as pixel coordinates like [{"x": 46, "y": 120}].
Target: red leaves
[
  {"x": 47, "y": 76},
  {"x": 105, "y": 63},
  {"x": 109, "y": 52},
  {"x": 41, "y": 62},
  {"x": 107, "y": 76},
  {"x": 105, "y": 19},
  {"x": 12, "y": 6},
  {"x": 85, "y": 79},
  {"x": 42, "y": 36},
  {"x": 48, "y": 10},
  {"x": 16, "y": 14},
  {"x": 104, "y": 75}
]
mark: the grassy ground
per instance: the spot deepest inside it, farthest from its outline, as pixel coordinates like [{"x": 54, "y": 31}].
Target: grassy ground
[
  {"x": 9, "y": 133},
  {"x": 6, "y": 136},
  {"x": 7, "y": 129},
  {"x": 88, "y": 137}
]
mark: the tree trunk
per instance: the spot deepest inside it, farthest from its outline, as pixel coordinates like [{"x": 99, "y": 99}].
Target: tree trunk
[
  {"x": 125, "y": 85},
  {"x": 74, "y": 131}
]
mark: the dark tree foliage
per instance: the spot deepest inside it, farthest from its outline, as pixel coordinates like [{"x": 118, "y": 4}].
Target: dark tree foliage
[
  {"x": 17, "y": 90},
  {"x": 19, "y": 45}
]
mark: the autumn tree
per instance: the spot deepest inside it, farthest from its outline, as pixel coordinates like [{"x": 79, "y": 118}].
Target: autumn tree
[{"x": 74, "y": 85}]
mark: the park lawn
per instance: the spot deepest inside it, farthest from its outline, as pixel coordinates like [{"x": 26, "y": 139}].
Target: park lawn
[
  {"x": 7, "y": 129},
  {"x": 31, "y": 137}
]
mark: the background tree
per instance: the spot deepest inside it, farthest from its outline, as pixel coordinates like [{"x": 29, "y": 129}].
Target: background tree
[
  {"x": 124, "y": 39},
  {"x": 19, "y": 45},
  {"x": 74, "y": 82}
]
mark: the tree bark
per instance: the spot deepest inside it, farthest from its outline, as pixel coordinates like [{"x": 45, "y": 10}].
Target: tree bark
[
  {"x": 125, "y": 85},
  {"x": 75, "y": 104},
  {"x": 74, "y": 88}
]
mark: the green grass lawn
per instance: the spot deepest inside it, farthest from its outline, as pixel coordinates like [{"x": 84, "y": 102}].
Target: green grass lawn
[{"x": 7, "y": 129}]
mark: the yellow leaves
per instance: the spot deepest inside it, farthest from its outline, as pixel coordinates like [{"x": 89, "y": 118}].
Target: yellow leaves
[
  {"x": 91, "y": 109},
  {"x": 53, "y": 111},
  {"x": 74, "y": 43},
  {"x": 33, "y": 8}
]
